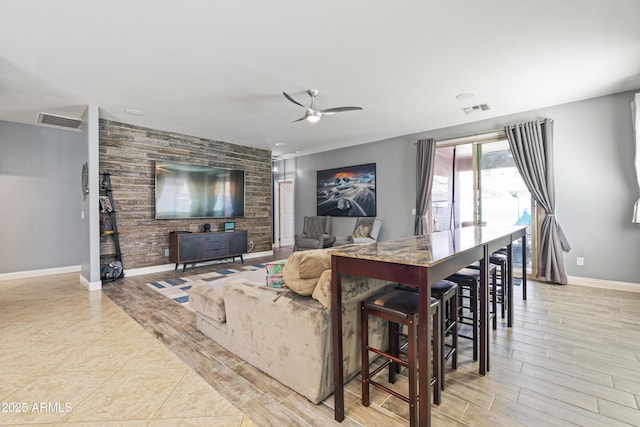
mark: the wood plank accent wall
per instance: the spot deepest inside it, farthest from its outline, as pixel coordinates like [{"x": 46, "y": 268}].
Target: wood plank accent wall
[{"x": 128, "y": 153}]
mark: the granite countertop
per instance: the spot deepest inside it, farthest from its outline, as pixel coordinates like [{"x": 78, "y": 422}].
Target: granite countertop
[
  {"x": 424, "y": 250},
  {"x": 415, "y": 250}
]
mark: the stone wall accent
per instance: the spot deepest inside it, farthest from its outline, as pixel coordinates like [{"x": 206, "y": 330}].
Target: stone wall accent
[{"x": 128, "y": 153}]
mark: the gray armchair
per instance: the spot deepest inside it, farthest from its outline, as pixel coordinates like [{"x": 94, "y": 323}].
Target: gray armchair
[
  {"x": 316, "y": 233},
  {"x": 365, "y": 231}
]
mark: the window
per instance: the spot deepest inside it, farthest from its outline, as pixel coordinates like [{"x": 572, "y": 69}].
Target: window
[{"x": 478, "y": 183}]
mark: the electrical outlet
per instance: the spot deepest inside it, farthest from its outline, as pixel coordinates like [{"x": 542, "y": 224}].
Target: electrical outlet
[
  {"x": 580, "y": 261},
  {"x": 166, "y": 252}
]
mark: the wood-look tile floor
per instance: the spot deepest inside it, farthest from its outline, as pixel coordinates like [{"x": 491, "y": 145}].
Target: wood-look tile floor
[{"x": 572, "y": 358}]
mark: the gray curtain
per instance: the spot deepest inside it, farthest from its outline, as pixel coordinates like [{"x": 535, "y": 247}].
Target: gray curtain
[
  {"x": 531, "y": 144},
  {"x": 424, "y": 180},
  {"x": 635, "y": 111}
]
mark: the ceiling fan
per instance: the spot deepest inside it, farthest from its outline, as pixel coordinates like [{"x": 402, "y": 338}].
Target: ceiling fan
[{"x": 313, "y": 114}]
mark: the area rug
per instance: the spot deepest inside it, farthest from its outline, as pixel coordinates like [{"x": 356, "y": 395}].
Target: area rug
[{"x": 177, "y": 289}]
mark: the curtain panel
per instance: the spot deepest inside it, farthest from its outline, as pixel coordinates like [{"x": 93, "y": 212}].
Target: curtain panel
[
  {"x": 531, "y": 144},
  {"x": 425, "y": 160},
  {"x": 635, "y": 114}
]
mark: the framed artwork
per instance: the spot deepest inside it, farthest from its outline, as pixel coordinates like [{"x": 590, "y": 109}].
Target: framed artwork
[{"x": 347, "y": 191}]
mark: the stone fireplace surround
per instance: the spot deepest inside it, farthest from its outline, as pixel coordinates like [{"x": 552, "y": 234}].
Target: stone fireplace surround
[{"x": 128, "y": 153}]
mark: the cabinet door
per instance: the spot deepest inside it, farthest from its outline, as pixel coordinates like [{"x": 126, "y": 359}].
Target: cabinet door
[
  {"x": 215, "y": 245},
  {"x": 191, "y": 247},
  {"x": 237, "y": 242}
]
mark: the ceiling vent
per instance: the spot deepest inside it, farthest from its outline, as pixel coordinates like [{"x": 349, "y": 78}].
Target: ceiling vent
[
  {"x": 476, "y": 108},
  {"x": 61, "y": 121}
]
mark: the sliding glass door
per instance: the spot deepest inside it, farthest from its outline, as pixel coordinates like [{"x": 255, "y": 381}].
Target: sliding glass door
[{"x": 478, "y": 183}]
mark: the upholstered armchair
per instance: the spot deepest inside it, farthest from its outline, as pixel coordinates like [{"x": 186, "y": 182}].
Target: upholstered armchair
[
  {"x": 316, "y": 233},
  {"x": 365, "y": 231}
]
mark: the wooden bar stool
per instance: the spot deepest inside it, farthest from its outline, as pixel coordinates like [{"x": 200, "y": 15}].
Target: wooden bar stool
[
  {"x": 468, "y": 281},
  {"x": 447, "y": 294},
  {"x": 399, "y": 307},
  {"x": 499, "y": 288},
  {"x": 500, "y": 260}
]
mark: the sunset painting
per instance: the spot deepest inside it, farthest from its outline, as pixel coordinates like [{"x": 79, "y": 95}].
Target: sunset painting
[{"x": 348, "y": 191}]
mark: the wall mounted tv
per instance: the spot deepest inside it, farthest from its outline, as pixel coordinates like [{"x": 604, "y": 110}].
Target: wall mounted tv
[{"x": 195, "y": 191}]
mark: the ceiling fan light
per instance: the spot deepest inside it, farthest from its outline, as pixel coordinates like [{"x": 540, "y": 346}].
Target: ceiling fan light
[{"x": 313, "y": 118}]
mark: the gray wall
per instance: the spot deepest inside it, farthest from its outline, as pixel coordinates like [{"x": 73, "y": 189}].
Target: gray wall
[
  {"x": 395, "y": 183},
  {"x": 595, "y": 181},
  {"x": 595, "y": 187},
  {"x": 40, "y": 197}
]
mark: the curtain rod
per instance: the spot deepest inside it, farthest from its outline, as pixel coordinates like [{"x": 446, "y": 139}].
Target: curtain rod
[
  {"x": 482, "y": 137},
  {"x": 477, "y": 137}
]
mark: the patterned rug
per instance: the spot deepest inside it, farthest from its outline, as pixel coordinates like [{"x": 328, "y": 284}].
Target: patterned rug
[{"x": 176, "y": 289}]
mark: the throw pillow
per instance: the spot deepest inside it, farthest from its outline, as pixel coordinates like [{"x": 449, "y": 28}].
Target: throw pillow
[
  {"x": 313, "y": 262},
  {"x": 291, "y": 271},
  {"x": 361, "y": 231},
  {"x": 274, "y": 274},
  {"x": 322, "y": 292},
  {"x": 300, "y": 286}
]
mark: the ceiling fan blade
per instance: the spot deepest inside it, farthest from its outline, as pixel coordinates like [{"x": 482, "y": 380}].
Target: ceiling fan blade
[
  {"x": 339, "y": 110},
  {"x": 286, "y": 95},
  {"x": 300, "y": 119}
]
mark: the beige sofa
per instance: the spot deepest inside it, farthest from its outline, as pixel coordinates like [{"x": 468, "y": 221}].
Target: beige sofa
[{"x": 286, "y": 334}]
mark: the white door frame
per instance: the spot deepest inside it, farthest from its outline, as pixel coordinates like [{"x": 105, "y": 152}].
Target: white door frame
[{"x": 277, "y": 217}]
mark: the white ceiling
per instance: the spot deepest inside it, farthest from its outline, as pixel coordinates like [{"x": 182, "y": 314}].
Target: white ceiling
[{"x": 217, "y": 69}]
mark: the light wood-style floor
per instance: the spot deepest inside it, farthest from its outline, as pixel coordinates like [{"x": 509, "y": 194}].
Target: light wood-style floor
[{"x": 572, "y": 358}]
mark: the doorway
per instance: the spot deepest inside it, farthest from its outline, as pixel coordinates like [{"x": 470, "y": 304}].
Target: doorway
[
  {"x": 479, "y": 184},
  {"x": 284, "y": 214}
]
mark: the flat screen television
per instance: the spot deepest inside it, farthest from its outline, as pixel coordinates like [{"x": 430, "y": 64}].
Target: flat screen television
[{"x": 196, "y": 191}]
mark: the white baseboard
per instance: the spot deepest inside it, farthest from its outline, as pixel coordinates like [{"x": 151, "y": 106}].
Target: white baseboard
[
  {"x": 604, "y": 284},
  {"x": 167, "y": 267},
  {"x": 258, "y": 254},
  {"x": 39, "y": 273},
  {"x": 91, "y": 286},
  {"x": 147, "y": 270}
]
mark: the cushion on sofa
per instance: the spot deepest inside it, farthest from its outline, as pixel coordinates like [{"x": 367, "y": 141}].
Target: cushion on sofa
[
  {"x": 302, "y": 287},
  {"x": 207, "y": 297},
  {"x": 361, "y": 231}
]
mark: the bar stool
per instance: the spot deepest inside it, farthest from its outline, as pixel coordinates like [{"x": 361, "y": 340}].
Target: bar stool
[
  {"x": 447, "y": 294},
  {"x": 399, "y": 307},
  {"x": 499, "y": 262},
  {"x": 468, "y": 279},
  {"x": 500, "y": 259}
]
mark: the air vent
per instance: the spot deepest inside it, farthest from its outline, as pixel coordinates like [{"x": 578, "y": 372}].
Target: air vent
[
  {"x": 476, "y": 108},
  {"x": 61, "y": 121}
]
